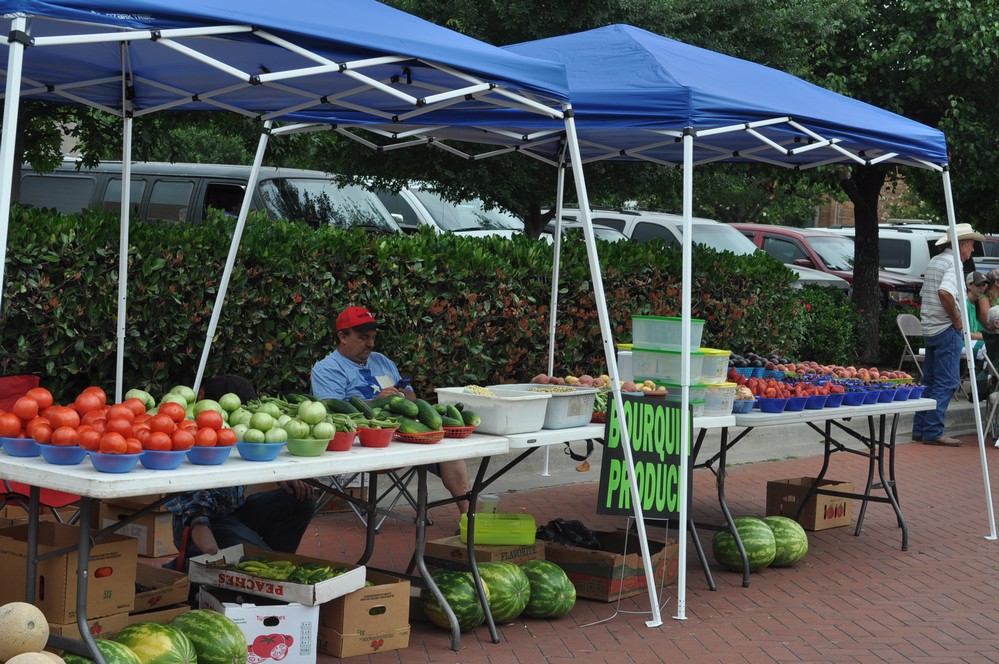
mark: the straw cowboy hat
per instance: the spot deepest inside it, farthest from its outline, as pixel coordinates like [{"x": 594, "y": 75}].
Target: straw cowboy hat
[{"x": 964, "y": 232}]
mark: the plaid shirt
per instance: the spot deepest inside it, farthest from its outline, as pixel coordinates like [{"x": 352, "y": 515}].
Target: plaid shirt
[{"x": 197, "y": 507}]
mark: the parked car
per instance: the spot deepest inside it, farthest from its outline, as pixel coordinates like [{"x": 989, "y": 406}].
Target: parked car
[
  {"x": 907, "y": 248},
  {"x": 605, "y": 233},
  {"x": 645, "y": 226},
  {"x": 829, "y": 252},
  {"x": 184, "y": 192},
  {"x": 416, "y": 206}
]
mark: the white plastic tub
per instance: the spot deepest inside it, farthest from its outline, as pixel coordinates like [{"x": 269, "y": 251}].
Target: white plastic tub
[
  {"x": 507, "y": 413},
  {"x": 715, "y": 369},
  {"x": 565, "y": 409},
  {"x": 719, "y": 399},
  {"x": 664, "y": 332},
  {"x": 663, "y": 365}
]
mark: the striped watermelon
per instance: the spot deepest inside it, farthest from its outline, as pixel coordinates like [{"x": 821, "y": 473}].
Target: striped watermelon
[
  {"x": 757, "y": 538},
  {"x": 157, "y": 644},
  {"x": 458, "y": 589},
  {"x": 552, "y": 593},
  {"x": 509, "y": 590},
  {"x": 790, "y": 538},
  {"x": 216, "y": 638},
  {"x": 112, "y": 651}
]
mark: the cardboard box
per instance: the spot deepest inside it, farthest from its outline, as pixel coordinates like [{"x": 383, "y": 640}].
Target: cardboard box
[
  {"x": 156, "y": 587},
  {"x": 784, "y": 497},
  {"x": 153, "y": 530},
  {"x": 208, "y": 569},
  {"x": 452, "y": 548},
  {"x": 136, "y": 503},
  {"x": 161, "y": 615},
  {"x": 111, "y": 572},
  {"x": 263, "y": 618},
  {"x": 16, "y": 512},
  {"x": 613, "y": 571},
  {"x": 102, "y": 627},
  {"x": 371, "y": 619}
]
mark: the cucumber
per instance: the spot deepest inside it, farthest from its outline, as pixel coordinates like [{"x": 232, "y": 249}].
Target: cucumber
[
  {"x": 381, "y": 402},
  {"x": 362, "y": 407},
  {"x": 409, "y": 425},
  {"x": 453, "y": 413},
  {"x": 403, "y": 406},
  {"x": 471, "y": 418},
  {"x": 460, "y": 406},
  {"x": 428, "y": 415},
  {"x": 440, "y": 408},
  {"x": 339, "y": 406},
  {"x": 451, "y": 422}
]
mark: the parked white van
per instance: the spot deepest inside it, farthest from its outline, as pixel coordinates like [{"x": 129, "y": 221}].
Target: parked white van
[
  {"x": 184, "y": 192},
  {"x": 416, "y": 206}
]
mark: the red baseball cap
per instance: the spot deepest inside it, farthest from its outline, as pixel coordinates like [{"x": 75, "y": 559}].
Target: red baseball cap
[{"x": 356, "y": 318}]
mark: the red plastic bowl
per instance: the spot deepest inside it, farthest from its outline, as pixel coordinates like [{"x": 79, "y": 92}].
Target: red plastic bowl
[
  {"x": 375, "y": 437},
  {"x": 341, "y": 441}
]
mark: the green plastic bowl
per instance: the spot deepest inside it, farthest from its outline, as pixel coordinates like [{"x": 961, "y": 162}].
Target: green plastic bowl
[{"x": 307, "y": 447}]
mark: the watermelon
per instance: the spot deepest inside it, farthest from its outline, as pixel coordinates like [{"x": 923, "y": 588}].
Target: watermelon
[
  {"x": 757, "y": 538},
  {"x": 157, "y": 644},
  {"x": 458, "y": 589},
  {"x": 552, "y": 593},
  {"x": 509, "y": 590},
  {"x": 112, "y": 652},
  {"x": 790, "y": 538},
  {"x": 216, "y": 638}
]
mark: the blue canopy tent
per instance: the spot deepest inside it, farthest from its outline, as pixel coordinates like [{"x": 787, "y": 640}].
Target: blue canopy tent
[{"x": 637, "y": 96}]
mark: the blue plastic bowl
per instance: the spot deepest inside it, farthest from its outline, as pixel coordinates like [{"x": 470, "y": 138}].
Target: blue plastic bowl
[
  {"x": 63, "y": 455},
  {"x": 162, "y": 459},
  {"x": 872, "y": 396},
  {"x": 887, "y": 395},
  {"x": 917, "y": 391},
  {"x": 21, "y": 447},
  {"x": 854, "y": 398},
  {"x": 259, "y": 451},
  {"x": 208, "y": 456},
  {"x": 740, "y": 406},
  {"x": 114, "y": 463},
  {"x": 902, "y": 393},
  {"x": 816, "y": 402},
  {"x": 835, "y": 400},
  {"x": 771, "y": 405},
  {"x": 795, "y": 404}
]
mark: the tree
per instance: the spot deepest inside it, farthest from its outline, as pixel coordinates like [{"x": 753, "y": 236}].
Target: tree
[{"x": 926, "y": 60}]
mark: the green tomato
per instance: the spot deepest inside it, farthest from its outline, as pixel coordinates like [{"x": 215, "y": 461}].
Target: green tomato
[
  {"x": 143, "y": 396},
  {"x": 296, "y": 428},
  {"x": 262, "y": 421},
  {"x": 323, "y": 430},
  {"x": 285, "y": 417},
  {"x": 240, "y": 429},
  {"x": 206, "y": 404},
  {"x": 186, "y": 392},
  {"x": 230, "y": 402},
  {"x": 276, "y": 435},
  {"x": 269, "y": 408},
  {"x": 312, "y": 412},
  {"x": 240, "y": 416},
  {"x": 254, "y": 436},
  {"x": 175, "y": 398}
]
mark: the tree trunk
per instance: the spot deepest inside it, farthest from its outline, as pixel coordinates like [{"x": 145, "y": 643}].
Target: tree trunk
[{"x": 864, "y": 189}]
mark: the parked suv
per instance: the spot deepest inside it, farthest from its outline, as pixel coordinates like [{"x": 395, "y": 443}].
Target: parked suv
[
  {"x": 415, "y": 206},
  {"x": 645, "y": 226},
  {"x": 184, "y": 192},
  {"x": 825, "y": 251},
  {"x": 906, "y": 248}
]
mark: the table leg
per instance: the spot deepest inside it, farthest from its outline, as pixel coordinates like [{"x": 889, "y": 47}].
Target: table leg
[
  {"x": 889, "y": 487},
  {"x": 700, "y": 554},
  {"x": 872, "y": 460},
  {"x": 723, "y": 503},
  {"x": 470, "y": 539},
  {"x": 370, "y": 526}
]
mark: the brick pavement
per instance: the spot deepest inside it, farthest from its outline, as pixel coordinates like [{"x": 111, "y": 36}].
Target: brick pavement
[{"x": 853, "y": 599}]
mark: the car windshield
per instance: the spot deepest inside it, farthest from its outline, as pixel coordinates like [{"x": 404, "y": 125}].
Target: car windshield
[
  {"x": 470, "y": 215},
  {"x": 836, "y": 253},
  {"x": 323, "y": 203},
  {"x": 721, "y": 238}
]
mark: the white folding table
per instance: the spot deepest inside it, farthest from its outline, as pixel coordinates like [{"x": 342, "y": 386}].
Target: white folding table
[{"x": 91, "y": 485}]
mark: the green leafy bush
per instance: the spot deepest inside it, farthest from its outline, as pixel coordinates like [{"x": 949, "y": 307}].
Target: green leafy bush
[{"x": 829, "y": 324}]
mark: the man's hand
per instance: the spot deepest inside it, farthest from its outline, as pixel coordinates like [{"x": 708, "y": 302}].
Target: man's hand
[
  {"x": 204, "y": 539},
  {"x": 297, "y": 488},
  {"x": 393, "y": 391}
]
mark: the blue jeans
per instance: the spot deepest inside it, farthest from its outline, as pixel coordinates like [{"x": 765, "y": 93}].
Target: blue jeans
[{"x": 941, "y": 376}]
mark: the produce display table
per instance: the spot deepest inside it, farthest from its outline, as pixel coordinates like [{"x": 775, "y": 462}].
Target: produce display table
[
  {"x": 91, "y": 486},
  {"x": 877, "y": 445}
]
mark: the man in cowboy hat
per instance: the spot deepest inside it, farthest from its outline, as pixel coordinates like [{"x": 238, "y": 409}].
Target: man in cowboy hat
[{"x": 943, "y": 334}]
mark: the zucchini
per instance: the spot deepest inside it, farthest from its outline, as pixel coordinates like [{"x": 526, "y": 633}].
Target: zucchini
[
  {"x": 362, "y": 407},
  {"x": 471, "y": 418},
  {"x": 428, "y": 415},
  {"x": 409, "y": 425},
  {"x": 339, "y": 406},
  {"x": 451, "y": 422},
  {"x": 453, "y": 413},
  {"x": 403, "y": 406}
]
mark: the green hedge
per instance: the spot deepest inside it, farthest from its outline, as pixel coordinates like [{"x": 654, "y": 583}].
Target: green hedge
[{"x": 458, "y": 310}]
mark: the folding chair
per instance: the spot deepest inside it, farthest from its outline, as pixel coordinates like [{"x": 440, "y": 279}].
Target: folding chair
[
  {"x": 990, "y": 425},
  {"x": 910, "y": 326},
  {"x": 16, "y": 493}
]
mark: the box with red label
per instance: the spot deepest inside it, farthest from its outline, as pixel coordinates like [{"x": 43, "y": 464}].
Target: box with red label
[
  {"x": 110, "y": 572},
  {"x": 372, "y": 619},
  {"x": 784, "y": 497},
  {"x": 616, "y": 569},
  {"x": 156, "y": 587},
  {"x": 101, "y": 628},
  {"x": 154, "y": 530},
  {"x": 214, "y": 570},
  {"x": 275, "y": 631}
]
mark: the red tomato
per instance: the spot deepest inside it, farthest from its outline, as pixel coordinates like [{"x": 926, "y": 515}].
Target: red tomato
[
  {"x": 33, "y": 422},
  {"x": 226, "y": 438},
  {"x": 210, "y": 419},
  {"x": 142, "y": 432},
  {"x": 42, "y": 433},
  {"x": 42, "y": 396},
  {"x": 137, "y": 406},
  {"x": 174, "y": 410},
  {"x": 26, "y": 408},
  {"x": 206, "y": 437},
  {"x": 112, "y": 443},
  {"x": 89, "y": 417},
  {"x": 120, "y": 411},
  {"x": 98, "y": 392},
  {"x": 158, "y": 441},
  {"x": 65, "y": 436},
  {"x": 132, "y": 446},
  {"x": 10, "y": 426},
  {"x": 182, "y": 440},
  {"x": 87, "y": 401},
  {"x": 162, "y": 423},
  {"x": 119, "y": 425},
  {"x": 89, "y": 438}
]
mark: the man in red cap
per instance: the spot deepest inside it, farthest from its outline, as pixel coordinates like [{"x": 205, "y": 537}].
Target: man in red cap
[{"x": 356, "y": 369}]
